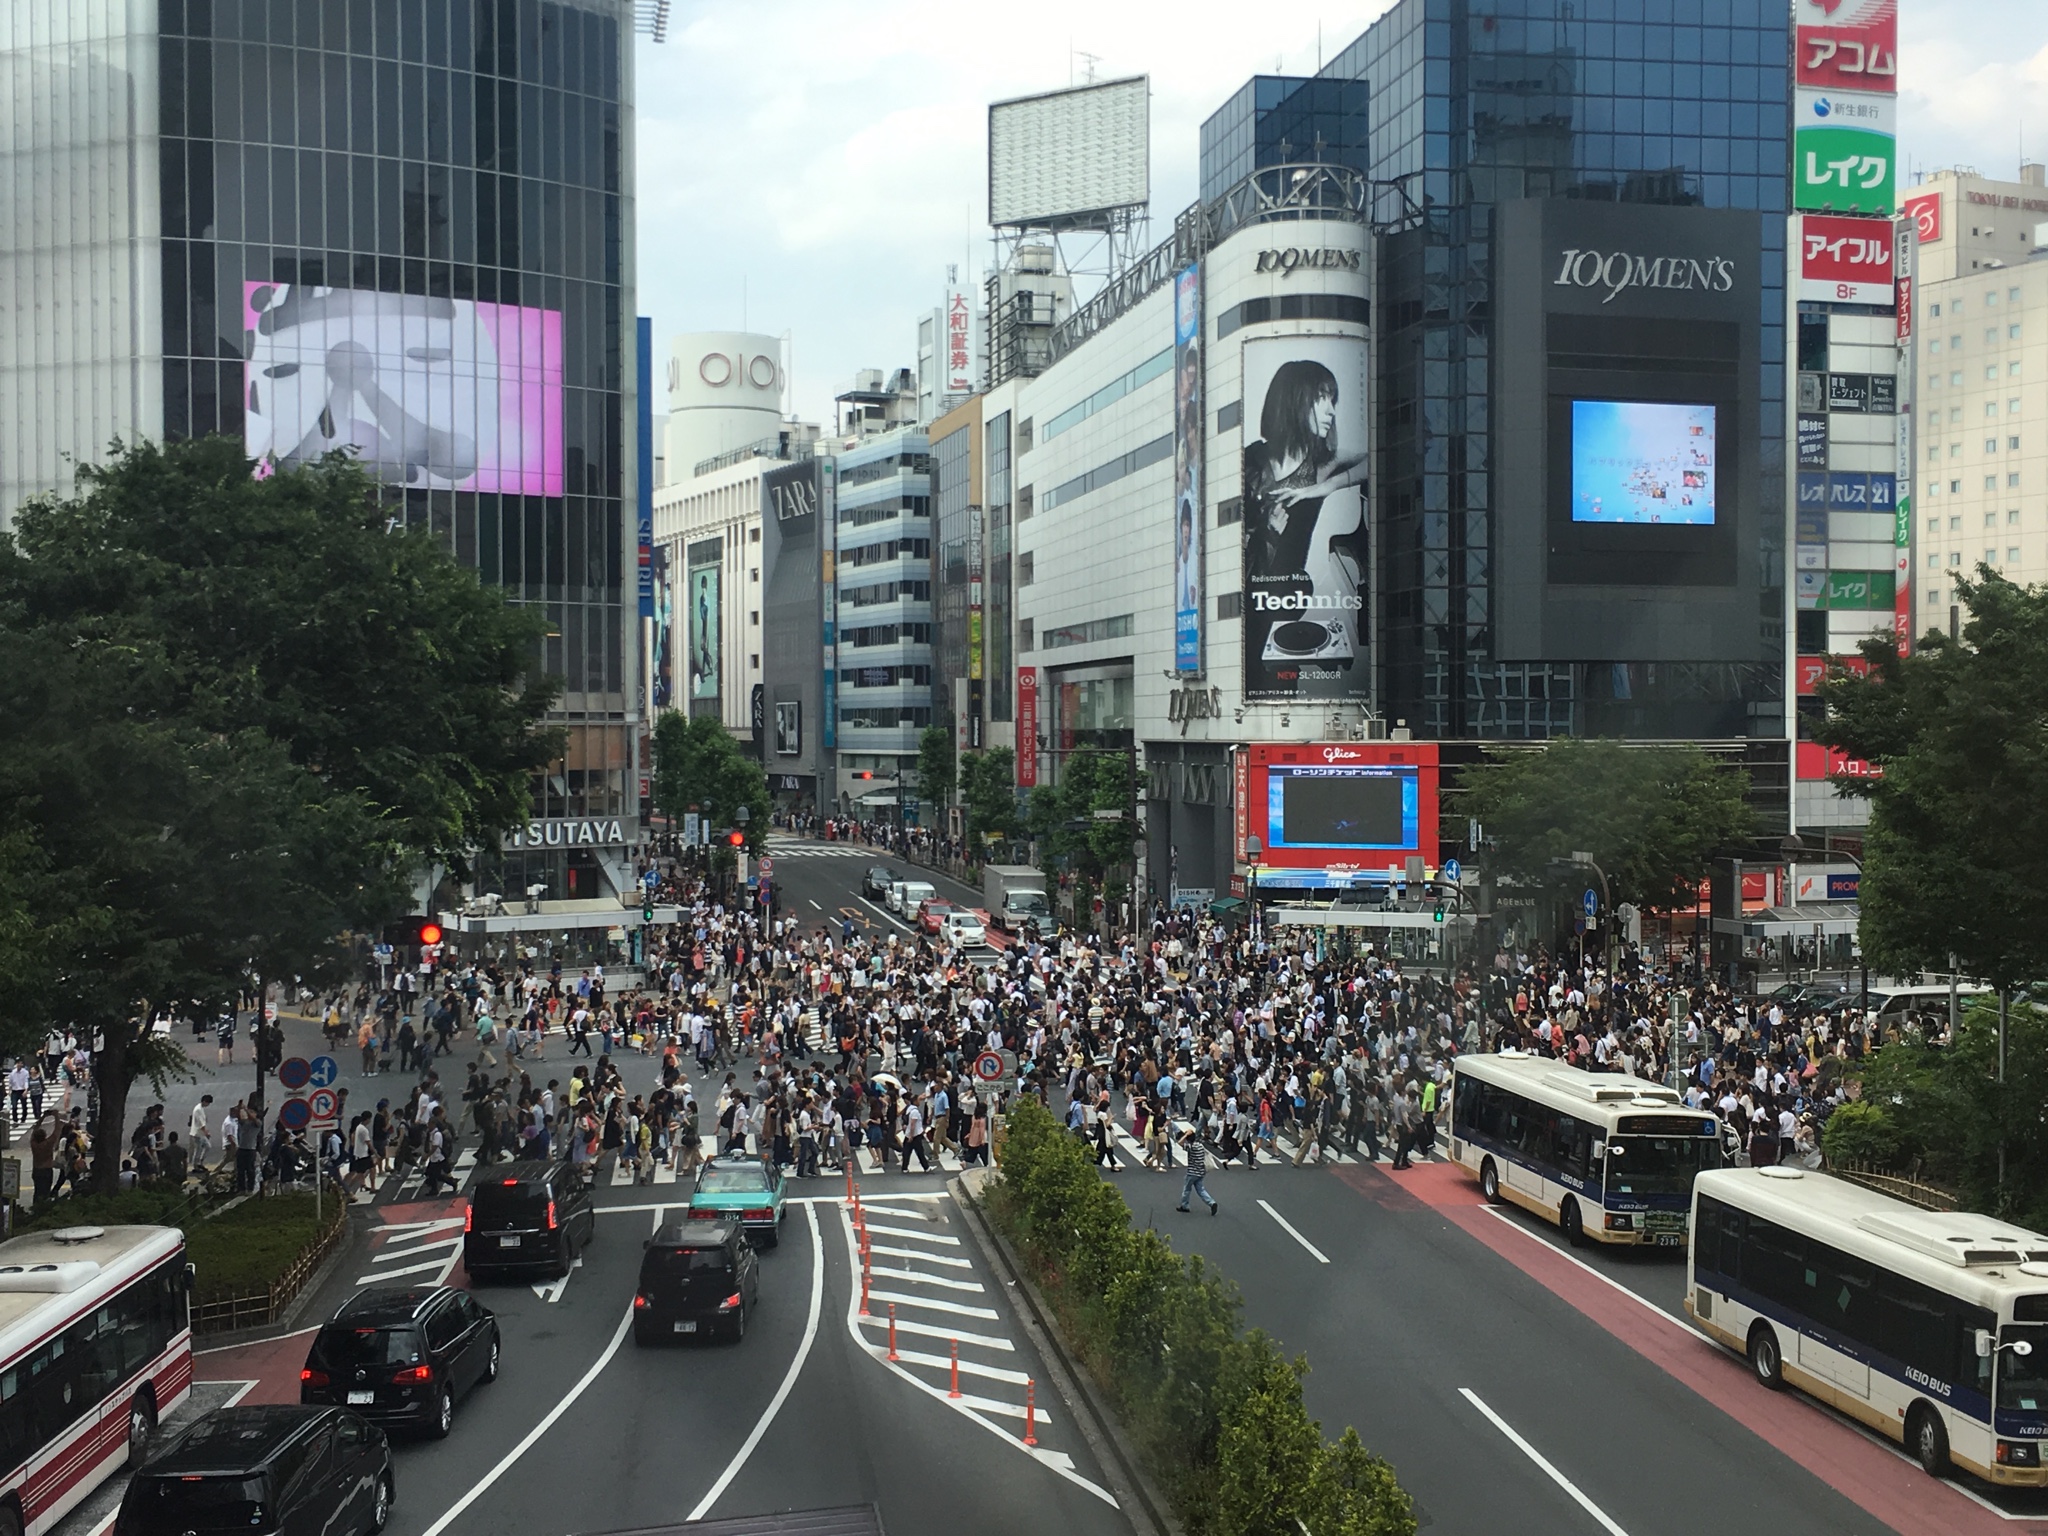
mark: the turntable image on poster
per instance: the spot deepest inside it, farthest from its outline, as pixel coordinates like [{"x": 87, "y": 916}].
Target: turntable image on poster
[{"x": 1306, "y": 562}]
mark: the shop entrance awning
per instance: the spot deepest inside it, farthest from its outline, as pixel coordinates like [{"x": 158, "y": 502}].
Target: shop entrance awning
[{"x": 1828, "y": 919}]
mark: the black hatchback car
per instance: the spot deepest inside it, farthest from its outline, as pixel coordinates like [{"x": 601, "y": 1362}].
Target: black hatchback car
[
  {"x": 403, "y": 1356},
  {"x": 876, "y": 882},
  {"x": 270, "y": 1468},
  {"x": 695, "y": 1278},
  {"x": 529, "y": 1215}
]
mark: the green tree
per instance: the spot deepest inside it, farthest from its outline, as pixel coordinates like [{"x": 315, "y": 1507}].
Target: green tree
[
  {"x": 1958, "y": 829},
  {"x": 937, "y": 770},
  {"x": 989, "y": 796},
  {"x": 254, "y": 710},
  {"x": 697, "y": 763},
  {"x": 1651, "y": 817},
  {"x": 1063, "y": 816}
]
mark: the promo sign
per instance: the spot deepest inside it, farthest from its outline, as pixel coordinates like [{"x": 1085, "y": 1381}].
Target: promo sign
[
  {"x": 1843, "y": 149},
  {"x": 1852, "y": 47},
  {"x": 1845, "y": 260}
]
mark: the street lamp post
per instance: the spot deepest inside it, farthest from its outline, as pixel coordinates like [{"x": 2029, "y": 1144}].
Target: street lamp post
[{"x": 1253, "y": 847}]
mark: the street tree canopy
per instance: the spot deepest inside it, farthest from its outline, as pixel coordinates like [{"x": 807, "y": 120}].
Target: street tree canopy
[
  {"x": 247, "y": 712},
  {"x": 1651, "y": 817},
  {"x": 936, "y": 767},
  {"x": 698, "y": 765},
  {"x": 1958, "y": 837},
  {"x": 1063, "y": 815},
  {"x": 988, "y": 794}
]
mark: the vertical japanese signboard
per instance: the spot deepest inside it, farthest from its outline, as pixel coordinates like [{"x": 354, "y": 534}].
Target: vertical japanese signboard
[
  {"x": 959, "y": 368},
  {"x": 1844, "y": 105},
  {"x": 1187, "y": 470},
  {"x": 1027, "y": 727}
]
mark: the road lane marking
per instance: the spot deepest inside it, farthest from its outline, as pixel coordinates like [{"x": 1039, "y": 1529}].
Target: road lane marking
[
  {"x": 677, "y": 1205},
  {"x": 803, "y": 1353},
  {"x": 946, "y": 1259},
  {"x": 967, "y": 1367},
  {"x": 1288, "y": 1227},
  {"x": 1530, "y": 1451},
  {"x": 887, "y": 915},
  {"x": 920, "y": 1237},
  {"x": 551, "y": 1291},
  {"x": 1645, "y": 1303},
  {"x": 814, "y": 904},
  {"x": 911, "y": 1325},
  {"x": 1059, "y": 1461},
  {"x": 918, "y": 1277},
  {"x": 533, "y": 1435},
  {"x": 932, "y": 1303}
]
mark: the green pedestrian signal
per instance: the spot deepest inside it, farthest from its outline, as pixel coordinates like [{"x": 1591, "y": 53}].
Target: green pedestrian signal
[{"x": 1438, "y": 915}]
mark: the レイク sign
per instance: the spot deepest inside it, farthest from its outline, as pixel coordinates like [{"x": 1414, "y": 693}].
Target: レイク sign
[{"x": 1845, "y": 260}]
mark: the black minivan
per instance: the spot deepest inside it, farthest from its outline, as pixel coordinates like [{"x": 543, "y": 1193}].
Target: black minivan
[
  {"x": 696, "y": 1277},
  {"x": 269, "y": 1468},
  {"x": 403, "y": 1356},
  {"x": 529, "y": 1215}
]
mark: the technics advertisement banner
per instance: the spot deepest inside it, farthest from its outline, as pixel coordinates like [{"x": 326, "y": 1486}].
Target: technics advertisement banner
[{"x": 1305, "y": 529}]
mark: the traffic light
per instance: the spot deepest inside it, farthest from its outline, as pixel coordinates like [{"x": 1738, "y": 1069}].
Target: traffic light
[
  {"x": 412, "y": 930},
  {"x": 865, "y": 773},
  {"x": 1438, "y": 915},
  {"x": 736, "y": 837},
  {"x": 647, "y": 907}
]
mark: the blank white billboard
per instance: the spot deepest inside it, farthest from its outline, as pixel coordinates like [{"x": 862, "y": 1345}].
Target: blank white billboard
[{"x": 1062, "y": 155}]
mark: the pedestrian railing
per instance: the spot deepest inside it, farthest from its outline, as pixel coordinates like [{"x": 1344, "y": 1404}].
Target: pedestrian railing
[
  {"x": 1899, "y": 1187},
  {"x": 224, "y": 1314}
]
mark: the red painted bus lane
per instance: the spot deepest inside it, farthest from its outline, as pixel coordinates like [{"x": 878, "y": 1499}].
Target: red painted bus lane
[{"x": 1887, "y": 1487}]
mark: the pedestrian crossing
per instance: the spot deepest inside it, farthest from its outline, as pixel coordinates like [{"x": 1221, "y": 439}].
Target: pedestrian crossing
[
  {"x": 1131, "y": 1152},
  {"x": 781, "y": 850}
]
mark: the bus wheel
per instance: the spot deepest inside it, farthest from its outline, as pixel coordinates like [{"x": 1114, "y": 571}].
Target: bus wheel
[
  {"x": 1489, "y": 1182},
  {"x": 1764, "y": 1357},
  {"x": 1928, "y": 1438},
  {"x": 141, "y": 1425},
  {"x": 1574, "y": 1228},
  {"x": 10, "y": 1519}
]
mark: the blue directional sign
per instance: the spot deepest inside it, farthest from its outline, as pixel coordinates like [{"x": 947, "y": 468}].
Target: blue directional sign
[
  {"x": 324, "y": 1071},
  {"x": 1592, "y": 902},
  {"x": 1452, "y": 870}
]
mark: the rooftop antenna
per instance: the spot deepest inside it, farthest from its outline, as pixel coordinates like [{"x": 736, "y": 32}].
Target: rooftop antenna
[{"x": 1087, "y": 67}]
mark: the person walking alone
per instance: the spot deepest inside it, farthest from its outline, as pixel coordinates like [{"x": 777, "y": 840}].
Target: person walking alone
[{"x": 1198, "y": 1168}]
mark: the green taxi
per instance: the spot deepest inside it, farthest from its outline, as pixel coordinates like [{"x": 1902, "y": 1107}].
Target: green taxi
[{"x": 740, "y": 1188}]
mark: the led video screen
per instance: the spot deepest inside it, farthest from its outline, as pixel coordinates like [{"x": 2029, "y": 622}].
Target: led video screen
[
  {"x": 1366, "y": 807},
  {"x": 1639, "y": 461},
  {"x": 430, "y": 393}
]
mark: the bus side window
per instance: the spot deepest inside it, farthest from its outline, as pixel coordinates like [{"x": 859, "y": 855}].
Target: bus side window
[
  {"x": 1465, "y": 1105},
  {"x": 1774, "y": 1262},
  {"x": 1569, "y": 1146}
]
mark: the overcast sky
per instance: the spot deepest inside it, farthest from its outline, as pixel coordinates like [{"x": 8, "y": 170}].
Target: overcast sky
[{"x": 812, "y": 166}]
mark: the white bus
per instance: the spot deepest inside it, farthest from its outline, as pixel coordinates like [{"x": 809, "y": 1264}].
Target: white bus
[
  {"x": 1607, "y": 1157},
  {"x": 1913, "y": 1322},
  {"x": 95, "y": 1343}
]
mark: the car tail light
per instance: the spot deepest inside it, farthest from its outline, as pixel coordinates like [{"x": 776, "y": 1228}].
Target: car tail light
[
  {"x": 312, "y": 1378},
  {"x": 730, "y": 1302},
  {"x": 468, "y": 1220},
  {"x": 551, "y": 1215},
  {"x": 703, "y": 1213},
  {"x": 414, "y": 1373},
  {"x": 762, "y": 1213},
  {"x": 641, "y": 1303}
]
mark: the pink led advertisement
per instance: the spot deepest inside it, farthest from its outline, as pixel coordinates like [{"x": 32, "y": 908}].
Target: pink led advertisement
[{"x": 435, "y": 394}]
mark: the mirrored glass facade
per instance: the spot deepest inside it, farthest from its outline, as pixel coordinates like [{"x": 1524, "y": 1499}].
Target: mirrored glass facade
[{"x": 1620, "y": 101}]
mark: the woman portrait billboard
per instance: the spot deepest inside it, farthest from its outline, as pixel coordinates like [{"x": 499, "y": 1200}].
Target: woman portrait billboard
[{"x": 1306, "y": 561}]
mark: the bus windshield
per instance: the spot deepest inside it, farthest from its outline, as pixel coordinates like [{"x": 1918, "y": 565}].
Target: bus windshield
[
  {"x": 2023, "y": 1379},
  {"x": 1658, "y": 1165}
]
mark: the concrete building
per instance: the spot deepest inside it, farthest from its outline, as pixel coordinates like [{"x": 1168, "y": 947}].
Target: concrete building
[
  {"x": 725, "y": 398},
  {"x": 206, "y": 202}
]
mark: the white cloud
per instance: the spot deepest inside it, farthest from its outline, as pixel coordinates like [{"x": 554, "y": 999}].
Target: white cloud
[{"x": 1973, "y": 82}]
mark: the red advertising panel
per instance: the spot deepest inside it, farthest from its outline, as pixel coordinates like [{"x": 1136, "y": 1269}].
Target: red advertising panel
[
  {"x": 1809, "y": 670},
  {"x": 1821, "y": 762},
  {"x": 1027, "y": 727},
  {"x": 1845, "y": 260},
  {"x": 1848, "y": 45},
  {"x": 1339, "y": 813},
  {"x": 1904, "y": 330},
  {"x": 1925, "y": 212},
  {"x": 1240, "y": 800}
]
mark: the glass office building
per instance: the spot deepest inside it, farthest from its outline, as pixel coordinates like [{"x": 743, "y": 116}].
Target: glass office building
[
  {"x": 401, "y": 227},
  {"x": 1646, "y": 104},
  {"x": 1283, "y": 119}
]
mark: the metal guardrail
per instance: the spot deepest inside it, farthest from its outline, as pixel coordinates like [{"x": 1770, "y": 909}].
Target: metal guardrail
[
  {"x": 224, "y": 1314},
  {"x": 1912, "y": 1191}
]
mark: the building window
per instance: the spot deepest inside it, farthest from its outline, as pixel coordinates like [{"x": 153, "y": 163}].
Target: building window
[
  {"x": 1026, "y": 640},
  {"x": 1228, "y": 512},
  {"x": 1991, "y": 557},
  {"x": 1956, "y": 379},
  {"x": 1934, "y": 525},
  {"x": 2012, "y": 482},
  {"x": 1955, "y": 487},
  {"x": 1230, "y": 605},
  {"x": 1955, "y": 557},
  {"x": 1933, "y": 596},
  {"x": 1933, "y": 346},
  {"x": 2012, "y": 295},
  {"x": 2013, "y": 444},
  {"x": 1991, "y": 445},
  {"x": 1955, "y": 450},
  {"x": 1024, "y": 502},
  {"x": 1027, "y": 568},
  {"x": 1229, "y": 417},
  {"x": 1152, "y": 368},
  {"x": 2012, "y": 555},
  {"x": 1990, "y": 336},
  {"x": 1160, "y": 448},
  {"x": 754, "y": 574},
  {"x": 1934, "y": 562},
  {"x": 1990, "y": 519},
  {"x": 754, "y": 662},
  {"x": 1991, "y": 372},
  {"x": 1934, "y": 312},
  {"x": 2012, "y": 370},
  {"x": 2012, "y": 333},
  {"x": 1954, "y": 524},
  {"x": 1024, "y": 431},
  {"x": 754, "y": 618},
  {"x": 1091, "y": 632},
  {"x": 1991, "y": 482},
  {"x": 2012, "y": 517}
]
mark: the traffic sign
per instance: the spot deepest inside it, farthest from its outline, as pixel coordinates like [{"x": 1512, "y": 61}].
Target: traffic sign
[
  {"x": 293, "y": 1114},
  {"x": 767, "y": 866},
  {"x": 1592, "y": 902},
  {"x": 1452, "y": 870},
  {"x": 294, "y": 1072},
  {"x": 324, "y": 1103},
  {"x": 988, "y": 1066},
  {"x": 325, "y": 1071}
]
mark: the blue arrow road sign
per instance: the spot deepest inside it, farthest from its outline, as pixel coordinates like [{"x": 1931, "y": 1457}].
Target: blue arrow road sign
[
  {"x": 325, "y": 1071},
  {"x": 1592, "y": 902},
  {"x": 1452, "y": 870}
]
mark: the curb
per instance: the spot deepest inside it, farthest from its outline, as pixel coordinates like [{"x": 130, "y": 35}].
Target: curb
[
  {"x": 1140, "y": 1501},
  {"x": 287, "y": 1322}
]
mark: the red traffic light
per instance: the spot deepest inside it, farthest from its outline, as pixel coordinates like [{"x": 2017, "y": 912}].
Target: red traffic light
[
  {"x": 864, "y": 774},
  {"x": 736, "y": 838},
  {"x": 430, "y": 933}
]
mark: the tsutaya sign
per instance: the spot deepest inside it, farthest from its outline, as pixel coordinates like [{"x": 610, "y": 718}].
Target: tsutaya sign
[
  {"x": 561, "y": 832},
  {"x": 1618, "y": 271}
]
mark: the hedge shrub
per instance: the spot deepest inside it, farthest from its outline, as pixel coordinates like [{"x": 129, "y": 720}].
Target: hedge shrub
[{"x": 1215, "y": 1411}]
